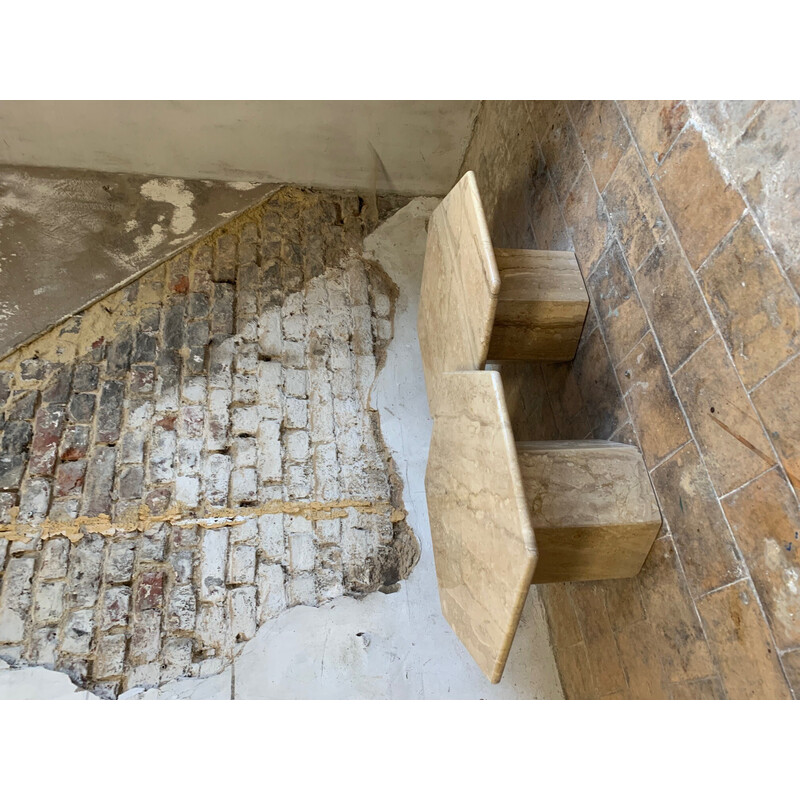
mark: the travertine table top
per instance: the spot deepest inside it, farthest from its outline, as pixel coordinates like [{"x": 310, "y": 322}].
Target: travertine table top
[
  {"x": 460, "y": 287},
  {"x": 483, "y": 541}
]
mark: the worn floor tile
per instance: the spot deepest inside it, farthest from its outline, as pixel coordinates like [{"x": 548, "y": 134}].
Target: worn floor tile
[
  {"x": 765, "y": 519},
  {"x": 603, "y": 135},
  {"x": 655, "y": 125},
  {"x": 587, "y": 221},
  {"x": 791, "y": 666},
  {"x": 702, "y": 206},
  {"x": 708, "y": 689},
  {"x": 726, "y": 119},
  {"x": 623, "y": 602},
  {"x": 617, "y": 303},
  {"x": 564, "y": 629},
  {"x": 634, "y": 209},
  {"x": 601, "y": 647},
  {"x": 652, "y": 403},
  {"x": 638, "y": 651},
  {"x": 698, "y": 525},
  {"x": 668, "y": 291},
  {"x": 723, "y": 420},
  {"x": 575, "y": 672},
  {"x": 757, "y": 311},
  {"x": 681, "y": 644},
  {"x": 776, "y": 401},
  {"x": 561, "y": 151},
  {"x": 739, "y": 639},
  {"x": 767, "y": 161},
  {"x": 548, "y": 224}
]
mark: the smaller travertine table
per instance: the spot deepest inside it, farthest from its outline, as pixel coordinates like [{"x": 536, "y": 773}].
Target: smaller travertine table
[{"x": 506, "y": 514}]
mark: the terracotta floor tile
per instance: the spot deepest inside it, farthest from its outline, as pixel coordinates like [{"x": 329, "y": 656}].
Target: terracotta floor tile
[
  {"x": 678, "y": 315},
  {"x": 740, "y": 641},
  {"x": 757, "y": 311},
  {"x": 655, "y": 125},
  {"x": 699, "y": 530},
  {"x": 765, "y": 519},
  {"x": 724, "y": 422},
  {"x": 702, "y": 206},
  {"x": 603, "y": 135},
  {"x": 652, "y": 403}
]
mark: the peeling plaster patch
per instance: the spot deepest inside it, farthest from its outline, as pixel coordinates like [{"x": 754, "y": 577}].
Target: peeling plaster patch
[
  {"x": 243, "y": 186},
  {"x": 174, "y": 192},
  {"x": 131, "y": 225}
]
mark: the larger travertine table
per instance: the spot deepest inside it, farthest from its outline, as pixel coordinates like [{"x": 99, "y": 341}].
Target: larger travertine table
[{"x": 506, "y": 514}]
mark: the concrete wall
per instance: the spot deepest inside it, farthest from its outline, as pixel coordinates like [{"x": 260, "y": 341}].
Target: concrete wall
[{"x": 409, "y": 147}]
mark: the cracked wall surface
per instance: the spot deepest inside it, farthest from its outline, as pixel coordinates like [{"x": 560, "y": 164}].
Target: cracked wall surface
[{"x": 198, "y": 452}]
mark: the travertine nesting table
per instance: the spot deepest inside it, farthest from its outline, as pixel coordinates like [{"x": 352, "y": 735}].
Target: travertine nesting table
[{"x": 506, "y": 514}]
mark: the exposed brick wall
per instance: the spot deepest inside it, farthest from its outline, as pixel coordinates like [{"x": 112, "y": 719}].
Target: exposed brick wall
[
  {"x": 197, "y": 452},
  {"x": 684, "y": 220}
]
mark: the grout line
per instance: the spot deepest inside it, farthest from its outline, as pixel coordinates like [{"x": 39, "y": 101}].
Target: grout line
[
  {"x": 737, "y": 548},
  {"x": 691, "y": 355},
  {"x": 750, "y": 480},
  {"x": 667, "y": 457},
  {"x": 777, "y": 369},
  {"x": 743, "y": 579}
]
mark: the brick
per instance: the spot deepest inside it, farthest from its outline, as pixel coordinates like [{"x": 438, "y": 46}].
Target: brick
[
  {"x": 85, "y": 378},
  {"x": 222, "y": 309},
  {"x": 142, "y": 379},
  {"x": 17, "y": 435},
  {"x": 48, "y": 603},
  {"x": 269, "y": 451},
  {"x": 182, "y": 563},
  {"x": 77, "y": 633},
  {"x": 181, "y": 609},
  {"x": 150, "y": 591},
  {"x": 99, "y": 482},
  {"x": 271, "y": 540},
  {"x": 131, "y": 482},
  {"x": 244, "y": 452},
  {"x": 145, "y": 348},
  {"x": 44, "y": 647},
  {"x": 145, "y": 640},
  {"x": 244, "y": 486},
  {"x": 85, "y": 566},
  {"x": 75, "y": 443},
  {"x": 47, "y": 434},
  {"x": 34, "y": 500},
  {"x": 271, "y": 591},
  {"x": 696, "y": 522},
  {"x": 244, "y": 421},
  {"x": 243, "y": 605},
  {"x": 54, "y": 559},
  {"x": 213, "y": 562},
  {"x": 301, "y": 590},
  {"x": 22, "y": 405},
  {"x": 115, "y": 607},
  {"x": 153, "y": 543},
  {"x": 109, "y": 660},
  {"x": 33, "y": 369},
  {"x": 755, "y": 307},
  {"x": 212, "y": 629},
  {"x": 119, "y": 562},
  {"x": 741, "y": 644},
  {"x": 119, "y": 353},
  {"x": 765, "y": 520},
  {"x": 15, "y": 599},
  {"x": 58, "y": 385},
  {"x": 81, "y": 408},
  {"x": 216, "y": 477},
  {"x": 109, "y": 412},
  {"x": 218, "y": 419}
]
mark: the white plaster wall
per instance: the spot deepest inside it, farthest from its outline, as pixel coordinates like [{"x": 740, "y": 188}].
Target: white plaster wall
[{"x": 410, "y": 147}]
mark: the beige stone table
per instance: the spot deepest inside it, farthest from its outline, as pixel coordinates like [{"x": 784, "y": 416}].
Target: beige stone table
[
  {"x": 506, "y": 514},
  {"x": 480, "y": 303}
]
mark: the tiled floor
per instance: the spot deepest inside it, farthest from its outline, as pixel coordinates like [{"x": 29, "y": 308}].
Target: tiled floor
[{"x": 681, "y": 217}]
